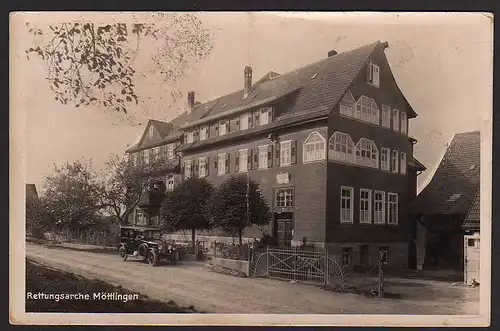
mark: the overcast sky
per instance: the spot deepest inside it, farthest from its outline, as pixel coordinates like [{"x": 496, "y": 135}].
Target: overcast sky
[{"x": 442, "y": 65}]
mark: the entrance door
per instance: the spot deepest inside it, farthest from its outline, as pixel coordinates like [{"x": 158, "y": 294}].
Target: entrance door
[{"x": 284, "y": 232}]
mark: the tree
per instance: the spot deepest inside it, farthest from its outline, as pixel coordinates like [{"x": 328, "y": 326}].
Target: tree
[
  {"x": 37, "y": 218},
  {"x": 93, "y": 64},
  {"x": 236, "y": 204},
  {"x": 71, "y": 195},
  {"x": 185, "y": 207},
  {"x": 123, "y": 186}
]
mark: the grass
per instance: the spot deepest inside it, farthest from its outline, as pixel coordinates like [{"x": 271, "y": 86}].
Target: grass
[{"x": 42, "y": 279}]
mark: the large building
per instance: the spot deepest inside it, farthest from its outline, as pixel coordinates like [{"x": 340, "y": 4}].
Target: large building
[{"x": 328, "y": 143}]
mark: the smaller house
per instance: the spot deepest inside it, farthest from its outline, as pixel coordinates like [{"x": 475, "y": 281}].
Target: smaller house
[
  {"x": 31, "y": 193},
  {"x": 439, "y": 211},
  {"x": 471, "y": 242}
]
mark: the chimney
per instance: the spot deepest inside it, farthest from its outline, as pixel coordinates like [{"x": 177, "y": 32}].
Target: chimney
[
  {"x": 190, "y": 102},
  {"x": 384, "y": 45},
  {"x": 332, "y": 53},
  {"x": 248, "y": 81}
]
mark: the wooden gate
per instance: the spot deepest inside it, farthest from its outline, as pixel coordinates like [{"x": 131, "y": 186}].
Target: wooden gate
[{"x": 471, "y": 258}]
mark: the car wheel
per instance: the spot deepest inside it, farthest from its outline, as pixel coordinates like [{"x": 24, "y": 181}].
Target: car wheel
[
  {"x": 142, "y": 252},
  {"x": 152, "y": 257},
  {"x": 122, "y": 251}
]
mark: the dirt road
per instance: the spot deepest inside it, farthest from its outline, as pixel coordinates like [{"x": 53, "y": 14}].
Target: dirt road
[{"x": 191, "y": 283}]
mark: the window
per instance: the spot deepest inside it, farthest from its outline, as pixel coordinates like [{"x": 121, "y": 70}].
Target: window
[
  {"x": 134, "y": 159},
  {"x": 365, "y": 206},
  {"x": 146, "y": 156},
  {"x": 170, "y": 183},
  {"x": 373, "y": 74},
  {"x": 395, "y": 120},
  {"x": 346, "y": 255},
  {"x": 392, "y": 210},
  {"x": 262, "y": 157},
  {"x": 222, "y": 128},
  {"x": 264, "y": 116},
  {"x": 367, "y": 110},
  {"x": 190, "y": 137},
  {"x": 203, "y": 132},
  {"x": 379, "y": 207},
  {"x": 284, "y": 197},
  {"x": 170, "y": 151},
  {"x": 314, "y": 147},
  {"x": 346, "y": 204},
  {"x": 221, "y": 164},
  {"x": 243, "y": 160},
  {"x": 244, "y": 122},
  {"x": 188, "y": 169},
  {"x": 347, "y": 104},
  {"x": 394, "y": 161},
  {"x": 454, "y": 197},
  {"x": 384, "y": 253},
  {"x": 402, "y": 163},
  {"x": 384, "y": 159},
  {"x": 155, "y": 152},
  {"x": 286, "y": 153},
  {"x": 151, "y": 131},
  {"x": 202, "y": 167},
  {"x": 367, "y": 153},
  {"x": 341, "y": 148},
  {"x": 141, "y": 218},
  {"x": 386, "y": 116},
  {"x": 404, "y": 123}
]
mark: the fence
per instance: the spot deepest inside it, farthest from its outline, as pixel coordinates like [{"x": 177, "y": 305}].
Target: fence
[
  {"x": 307, "y": 265},
  {"x": 231, "y": 251}
]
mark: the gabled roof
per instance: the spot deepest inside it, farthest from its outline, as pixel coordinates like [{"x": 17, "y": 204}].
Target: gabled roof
[
  {"x": 31, "y": 192},
  {"x": 414, "y": 163},
  {"x": 456, "y": 181},
  {"x": 166, "y": 131},
  {"x": 322, "y": 83},
  {"x": 472, "y": 219}
]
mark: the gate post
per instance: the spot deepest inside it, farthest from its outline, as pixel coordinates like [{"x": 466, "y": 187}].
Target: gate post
[
  {"x": 267, "y": 260},
  {"x": 326, "y": 281}
]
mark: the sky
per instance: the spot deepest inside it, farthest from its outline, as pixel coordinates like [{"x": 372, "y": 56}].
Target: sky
[{"x": 442, "y": 63}]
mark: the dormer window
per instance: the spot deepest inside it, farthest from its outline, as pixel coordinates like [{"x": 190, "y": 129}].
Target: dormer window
[
  {"x": 151, "y": 131},
  {"x": 244, "y": 121},
  {"x": 222, "y": 128},
  {"x": 373, "y": 74},
  {"x": 203, "y": 132},
  {"x": 190, "y": 137}
]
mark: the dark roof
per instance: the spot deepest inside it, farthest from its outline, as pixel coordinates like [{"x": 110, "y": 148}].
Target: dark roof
[
  {"x": 322, "y": 83},
  {"x": 31, "y": 192},
  {"x": 472, "y": 219},
  {"x": 414, "y": 163},
  {"x": 168, "y": 133},
  {"x": 456, "y": 181}
]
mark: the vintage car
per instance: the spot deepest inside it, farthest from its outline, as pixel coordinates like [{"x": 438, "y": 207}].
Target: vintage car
[{"x": 145, "y": 244}]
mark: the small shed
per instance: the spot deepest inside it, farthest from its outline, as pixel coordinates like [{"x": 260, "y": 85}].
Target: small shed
[{"x": 472, "y": 251}]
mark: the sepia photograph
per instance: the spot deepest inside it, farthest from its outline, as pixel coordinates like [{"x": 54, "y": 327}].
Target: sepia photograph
[{"x": 250, "y": 168}]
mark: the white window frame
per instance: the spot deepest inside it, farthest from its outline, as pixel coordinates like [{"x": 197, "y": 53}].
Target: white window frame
[
  {"x": 394, "y": 212},
  {"x": 155, "y": 154},
  {"x": 151, "y": 131},
  {"x": 243, "y": 160},
  {"x": 395, "y": 161},
  {"x": 402, "y": 163},
  {"x": 188, "y": 169},
  {"x": 288, "y": 197},
  {"x": 386, "y": 116},
  {"x": 367, "y": 110},
  {"x": 341, "y": 148},
  {"x": 203, "y": 132},
  {"x": 378, "y": 215},
  {"x": 385, "y": 164},
  {"x": 285, "y": 153},
  {"x": 221, "y": 165},
  {"x": 202, "y": 167},
  {"x": 169, "y": 183},
  {"x": 365, "y": 216},
  {"x": 244, "y": 120},
  {"x": 375, "y": 74},
  {"x": 369, "y": 148},
  {"x": 223, "y": 128},
  {"x": 135, "y": 159},
  {"x": 263, "y": 157},
  {"x": 346, "y": 252},
  {"x": 264, "y": 113},
  {"x": 190, "y": 137},
  {"x": 317, "y": 153},
  {"x": 170, "y": 151},
  {"x": 348, "y": 105},
  {"x": 404, "y": 122},
  {"x": 146, "y": 156},
  {"x": 347, "y": 211},
  {"x": 395, "y": 119}
]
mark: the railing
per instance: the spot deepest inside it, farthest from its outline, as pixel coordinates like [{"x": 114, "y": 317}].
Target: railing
[{"x": 231, "y": 251}]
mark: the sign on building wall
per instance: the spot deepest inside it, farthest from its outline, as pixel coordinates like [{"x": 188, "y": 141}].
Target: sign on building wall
[{"x": 283, "y": 178}]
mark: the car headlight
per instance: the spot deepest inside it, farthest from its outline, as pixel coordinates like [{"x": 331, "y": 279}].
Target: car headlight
[
  {"x": 170, "y": 247},
  {"x": 160, "y": 247}
]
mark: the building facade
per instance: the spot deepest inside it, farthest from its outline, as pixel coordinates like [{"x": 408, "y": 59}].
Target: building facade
[{"x": 329, "y": 146}]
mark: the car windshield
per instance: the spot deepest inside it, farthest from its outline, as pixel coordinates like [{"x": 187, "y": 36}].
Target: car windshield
[{"x": 152, "y": 235}]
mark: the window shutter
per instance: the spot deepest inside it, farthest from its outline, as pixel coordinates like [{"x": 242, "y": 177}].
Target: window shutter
[
  {"x": 227, "y": 163},
  {"x": 215, "y": 162},
  {"x": 236, "y": 161},
  {"x": 256, "y": 158},
  {"x": 195, "y": 167},
  {"x": 249, "y": 158},
  {"x": 270, "y": 114},
  {"x": 369, "y": 76},
  {"x": 207, "y": 166},
  {"x": 250, "y": 120},
  {"x": 270, "y": 156},
  {"x": 228, "y": 127},
  {"x": 293, "y": 152},
  {"x": 278, "y": 151}
]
